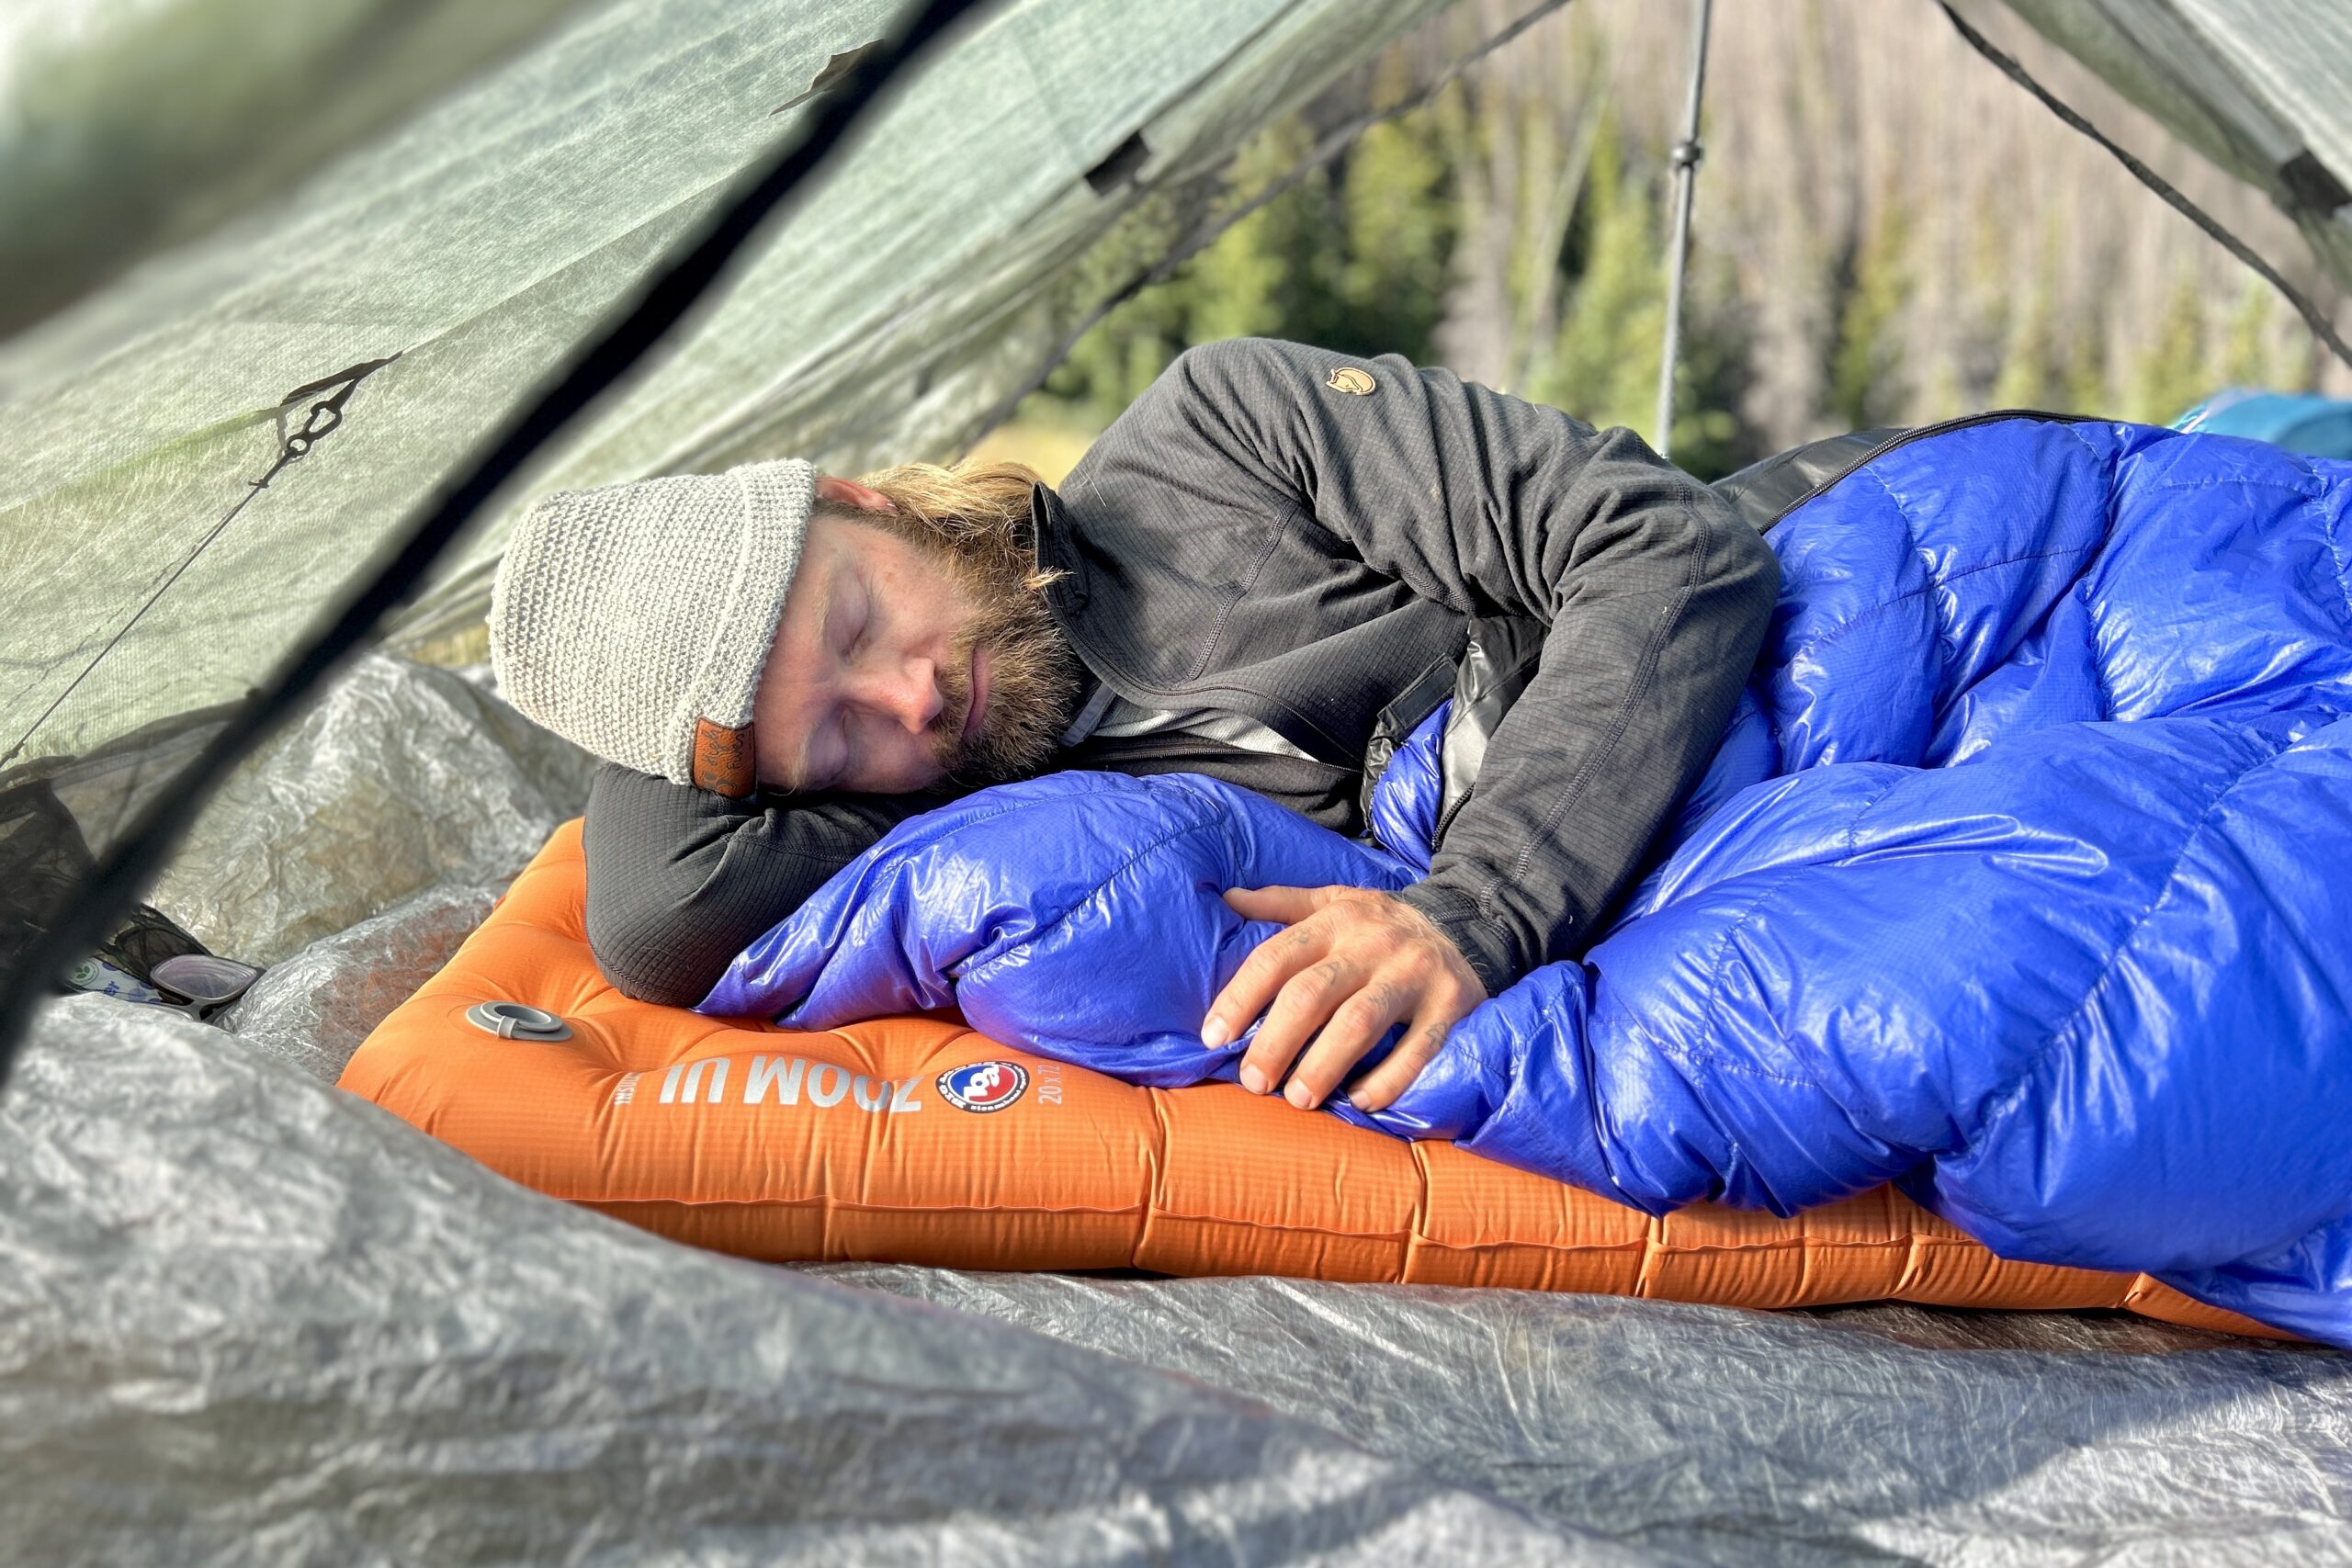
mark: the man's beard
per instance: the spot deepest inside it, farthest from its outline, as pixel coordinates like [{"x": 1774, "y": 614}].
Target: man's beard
[{"x": 1034, "y": 674}]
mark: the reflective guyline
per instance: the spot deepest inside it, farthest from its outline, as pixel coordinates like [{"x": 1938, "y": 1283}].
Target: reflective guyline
[{"x": 325, "y": 417}]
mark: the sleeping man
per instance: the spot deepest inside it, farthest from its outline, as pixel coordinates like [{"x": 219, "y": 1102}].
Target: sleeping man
[{"x": 1272, "y": 561}]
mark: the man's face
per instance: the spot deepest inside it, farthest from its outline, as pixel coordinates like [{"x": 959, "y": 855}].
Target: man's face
[{"x": 896, "y": 667}]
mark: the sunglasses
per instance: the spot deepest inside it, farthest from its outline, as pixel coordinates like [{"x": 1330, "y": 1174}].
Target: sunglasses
[{"x": 201, "y": 984}]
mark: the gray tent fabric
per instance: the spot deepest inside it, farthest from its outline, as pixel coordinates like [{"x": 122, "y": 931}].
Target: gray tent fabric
[
  {"x": 1707, "y": 1435},
  {"x": 404, "y": 777},
  {"x": 312, "y": 1010},
  {"x": 132, "y": 125},
  {"x": 354, "y": 852},
  {"x": 2262, "y": 87},
  {"x": 437, "y": 272}
]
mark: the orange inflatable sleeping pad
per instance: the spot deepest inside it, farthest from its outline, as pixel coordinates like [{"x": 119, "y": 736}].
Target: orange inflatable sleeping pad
[{"x": 892, "y": 1141}]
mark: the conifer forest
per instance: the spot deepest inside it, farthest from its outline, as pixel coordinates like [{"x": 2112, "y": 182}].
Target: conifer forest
[{"x": 1887, "y": 231}]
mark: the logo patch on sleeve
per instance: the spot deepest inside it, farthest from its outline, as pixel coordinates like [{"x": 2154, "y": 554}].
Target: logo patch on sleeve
[
  {"x": 1354, "y": 382},
  {"x": 983, "y": 1087}
]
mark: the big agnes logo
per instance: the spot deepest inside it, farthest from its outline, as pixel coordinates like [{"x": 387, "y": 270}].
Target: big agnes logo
[
  {"x": 781, "y": 1080},
  {"x": 983, "y": 1086}
]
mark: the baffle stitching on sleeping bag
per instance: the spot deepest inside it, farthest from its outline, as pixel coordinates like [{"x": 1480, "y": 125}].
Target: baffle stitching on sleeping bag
[
  {"x": 2235, "y": 482},
  {"x": 1597, "y": 1114},
  {"x": 1822, "y": 643},
  {"x": 1936, "y": 580},
  {"x": 2100, "y": 689},
  {"x": 2328, "y": 521},
  {"x": 979, "y": 971},
  {"x": 2108, "y": 459},
  {"x": 1694, "y": 1058},
  {"x": 1718, "y": 968},
  {"x": 1947, "y": 647},
  {"x": 2000, "y": 1105}
]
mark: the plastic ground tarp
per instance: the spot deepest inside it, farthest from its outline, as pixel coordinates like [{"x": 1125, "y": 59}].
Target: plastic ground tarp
[
  {"x": 244, "y": 1315},
  {"x": 245, "y": 1318}
]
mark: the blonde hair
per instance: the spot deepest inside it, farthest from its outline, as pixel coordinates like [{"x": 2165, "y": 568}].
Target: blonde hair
[{"x": 973, "y": 510}]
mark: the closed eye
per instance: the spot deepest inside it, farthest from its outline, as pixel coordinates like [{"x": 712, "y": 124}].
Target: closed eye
[{"x": 861, "y": 629}]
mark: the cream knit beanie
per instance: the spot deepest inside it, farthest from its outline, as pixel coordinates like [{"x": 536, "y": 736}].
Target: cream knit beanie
[{"x": 633, "y": 621}]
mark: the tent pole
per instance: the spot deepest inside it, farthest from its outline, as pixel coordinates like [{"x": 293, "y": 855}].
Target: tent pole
[{"x": 1687, "y": 153}]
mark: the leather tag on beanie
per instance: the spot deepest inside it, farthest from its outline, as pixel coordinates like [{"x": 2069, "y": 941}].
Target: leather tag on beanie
[{"x": 724, "y": 761}]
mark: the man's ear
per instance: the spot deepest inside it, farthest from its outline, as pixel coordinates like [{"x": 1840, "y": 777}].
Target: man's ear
[{"x": 849, "y": 493}]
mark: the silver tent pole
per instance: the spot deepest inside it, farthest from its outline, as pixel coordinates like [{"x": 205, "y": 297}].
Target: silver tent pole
[{"x": 1687, "y": 153}]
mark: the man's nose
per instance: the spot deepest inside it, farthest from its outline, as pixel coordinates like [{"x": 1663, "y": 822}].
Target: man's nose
[{"x": 908, "y": 691}]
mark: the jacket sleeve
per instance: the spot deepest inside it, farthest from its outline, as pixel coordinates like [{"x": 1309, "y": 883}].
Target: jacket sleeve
[
  {"x": 680, "y": 880},
  {"x": 1657, "y": 597}
]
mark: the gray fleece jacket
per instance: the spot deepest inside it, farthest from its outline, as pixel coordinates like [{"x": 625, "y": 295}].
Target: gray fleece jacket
[{"x": 1306, "y": 538}]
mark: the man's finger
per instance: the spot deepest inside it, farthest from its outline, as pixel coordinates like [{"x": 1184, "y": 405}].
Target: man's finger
[
  {"x": 1424, "y": 1037},
  {"x": 1287, "y": 904},
  {"x": 1305, "y": 1003},
  {"x": 1261, "y": 974},
  {"x": 1355, "y": 1028}
]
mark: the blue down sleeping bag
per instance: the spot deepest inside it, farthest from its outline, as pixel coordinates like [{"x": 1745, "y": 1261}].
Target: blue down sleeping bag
[{"x": 2022, "y": 877}]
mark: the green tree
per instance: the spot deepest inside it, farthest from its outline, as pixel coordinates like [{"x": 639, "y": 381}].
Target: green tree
[
  {"x": 2170, "y": 374},
  {"x": 1241, "y": 284},
  {"x": 1401, "y": 223},
  {"x": 1603, "y": 364},
  {"x": 2083, "y": 377},
  {"x": 1360, "y": 257},
  {"x": 2032, "y": 372},
  {"x": 1355, "y": 259},
  {"x": 1710, "y": 438},
  {"x": 1237, "y": 286},
  {"x": 1865, "y": 369},
  {"x": 2247, "y": 356}
]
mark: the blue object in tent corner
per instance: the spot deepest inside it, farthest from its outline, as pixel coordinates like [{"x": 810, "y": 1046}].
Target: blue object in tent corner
[
  {"x": 2298, "y": 421},
  {"x": 2022, "y": 877}
]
